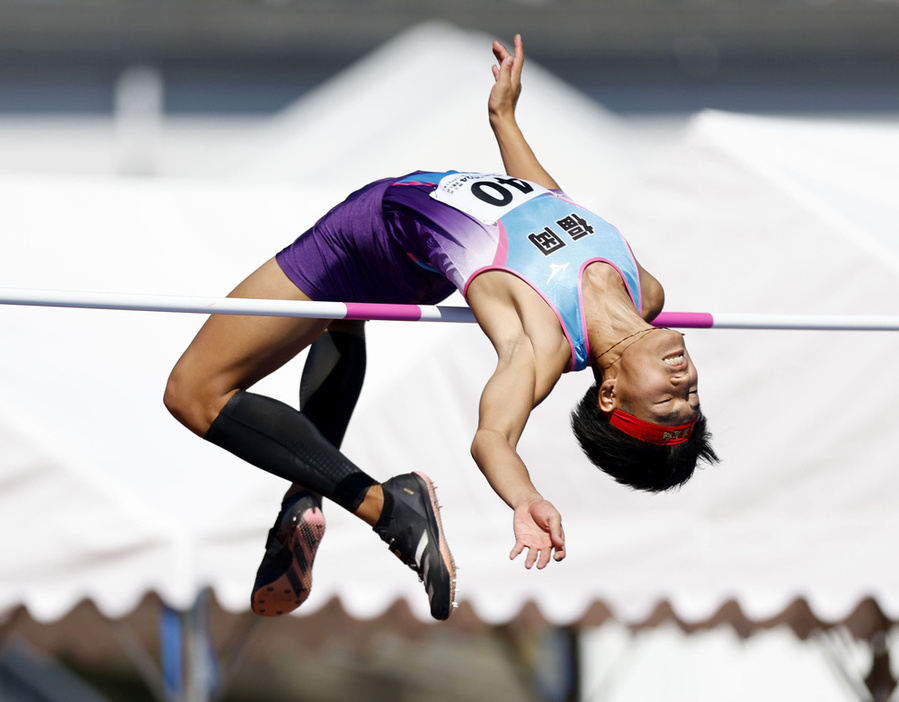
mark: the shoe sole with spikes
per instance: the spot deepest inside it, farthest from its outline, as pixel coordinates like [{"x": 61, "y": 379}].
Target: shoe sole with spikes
[{"x": 284, "y": 579}]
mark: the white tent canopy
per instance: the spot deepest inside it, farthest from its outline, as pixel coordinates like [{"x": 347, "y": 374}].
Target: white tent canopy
[
  {"x": 102, "y": 495},
  {"x": 420, "y": 102}
]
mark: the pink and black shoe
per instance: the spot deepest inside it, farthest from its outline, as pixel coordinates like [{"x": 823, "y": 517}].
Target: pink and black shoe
[{"x": 284, "y": 578}]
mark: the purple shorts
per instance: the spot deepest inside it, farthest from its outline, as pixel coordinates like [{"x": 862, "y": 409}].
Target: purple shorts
[{"x": 358, "y": 252}]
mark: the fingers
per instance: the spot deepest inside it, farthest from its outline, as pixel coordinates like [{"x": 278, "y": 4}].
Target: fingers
[
  {"x": 534, "y": 555},
  {"x": 500, "y": 52},
  {"x": 529, "y": 559},
  {"x": 539, "y": 556},
  {"x": 543, "y": 560},
  {"x": 557, "y": 536},
  {"x": 512, "y": 62},
  {"x": 518, "y": 59},
  {"x": 538, "y": 529},
  {"x": 518, "y": 548},
  {"x": 503, "y": 70}
]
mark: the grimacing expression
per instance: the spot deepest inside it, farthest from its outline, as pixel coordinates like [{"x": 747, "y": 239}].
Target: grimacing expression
[{"x": 656, "y": 380}]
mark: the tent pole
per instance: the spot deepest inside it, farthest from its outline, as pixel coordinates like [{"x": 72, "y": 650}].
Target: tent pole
[
  {"x": 201, "y": 660},
  {"x": 143, "y": 659},
  {"x": 171, "y": 653},
  {"x": 190, "y": 669},
  {"x": 837, "y": 652},
  {"x": 234, "y": 651},
  {"x": 573, "y": 637},
  {"x": 556, "y": 668},
  {"x": 880, "y": 681}
]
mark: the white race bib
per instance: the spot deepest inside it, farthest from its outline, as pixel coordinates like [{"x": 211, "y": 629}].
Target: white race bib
[{"x": 485, "y": 197}]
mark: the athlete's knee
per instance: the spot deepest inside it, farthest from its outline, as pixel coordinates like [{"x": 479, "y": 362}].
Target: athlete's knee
[
  {"x": 192, "y": 403},
  {"x": 177, "y": 398}
]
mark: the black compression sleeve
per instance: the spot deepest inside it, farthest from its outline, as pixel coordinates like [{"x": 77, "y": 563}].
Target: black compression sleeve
[
  {"x": 332, "y": 381},
  {"x": 275, "y": 437}
]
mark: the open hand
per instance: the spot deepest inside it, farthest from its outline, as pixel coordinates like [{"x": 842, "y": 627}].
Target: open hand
[
  {"x": 507, "y": 73},
  {"x": 538, "y": 528}
]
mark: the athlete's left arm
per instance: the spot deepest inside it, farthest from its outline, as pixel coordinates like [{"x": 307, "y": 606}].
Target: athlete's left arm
[{"x": 518, "y": 158}]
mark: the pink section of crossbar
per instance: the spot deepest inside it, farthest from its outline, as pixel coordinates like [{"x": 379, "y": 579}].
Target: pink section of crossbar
[
  {"x": 685, "y": 320},
  {"x": 390, "y": 313}
]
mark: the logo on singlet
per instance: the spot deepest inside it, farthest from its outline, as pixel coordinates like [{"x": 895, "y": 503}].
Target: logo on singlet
[{"x": 556, "y": 268}]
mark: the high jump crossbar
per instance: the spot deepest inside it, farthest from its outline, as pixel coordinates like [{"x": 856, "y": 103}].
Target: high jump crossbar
[{"x": 410, "y": 313}]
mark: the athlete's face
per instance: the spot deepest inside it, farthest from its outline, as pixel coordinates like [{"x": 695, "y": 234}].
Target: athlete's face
[{"x": 654, "y": 380}]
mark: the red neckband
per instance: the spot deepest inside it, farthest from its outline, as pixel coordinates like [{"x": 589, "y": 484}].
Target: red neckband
[{"x": 658, "y": 434}]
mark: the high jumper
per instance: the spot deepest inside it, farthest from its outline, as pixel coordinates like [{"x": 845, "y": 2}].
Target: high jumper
[{"x": 553, "y": 286}]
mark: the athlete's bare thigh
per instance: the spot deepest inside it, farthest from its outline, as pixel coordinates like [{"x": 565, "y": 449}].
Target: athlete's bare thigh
[{"x": 231, "y": 353}]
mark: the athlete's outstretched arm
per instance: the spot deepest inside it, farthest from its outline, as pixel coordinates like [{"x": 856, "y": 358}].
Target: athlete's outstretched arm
[
  {"x": 518, "y": 158},
  {"x": 513, "y": 390},
  {"x": 504, "y": 407}
]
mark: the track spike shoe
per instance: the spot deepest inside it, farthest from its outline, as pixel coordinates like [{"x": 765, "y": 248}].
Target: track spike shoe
[
  {"x": 411, "y": 527},
  {"x": 284, "y": 578}
]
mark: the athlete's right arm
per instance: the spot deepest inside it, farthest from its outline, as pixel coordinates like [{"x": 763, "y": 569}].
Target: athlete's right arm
[
  {"x": 506, "y": 403},
  {"x": 518, "y": 158}
]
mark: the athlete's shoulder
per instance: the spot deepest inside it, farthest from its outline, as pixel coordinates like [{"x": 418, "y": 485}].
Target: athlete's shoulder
[{"x": 514, "y": 316}]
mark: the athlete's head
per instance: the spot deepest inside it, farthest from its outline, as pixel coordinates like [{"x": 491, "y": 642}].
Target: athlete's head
[{"x": 641, "y": 422}]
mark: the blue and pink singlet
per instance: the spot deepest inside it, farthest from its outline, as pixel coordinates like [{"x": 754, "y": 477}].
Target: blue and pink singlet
[{"x": 415, "y": 239}]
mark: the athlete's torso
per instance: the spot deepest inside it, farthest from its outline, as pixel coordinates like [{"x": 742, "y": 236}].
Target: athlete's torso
[{"x": 472, "y": 222}]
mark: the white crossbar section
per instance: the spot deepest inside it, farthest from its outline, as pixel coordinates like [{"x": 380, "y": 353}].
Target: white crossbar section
[
  {"x": 233, "y": 306},
  {"x": 807, "y": 322}
]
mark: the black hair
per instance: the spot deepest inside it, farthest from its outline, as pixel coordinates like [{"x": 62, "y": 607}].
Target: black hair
[{"x": 636, "y": 463}]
